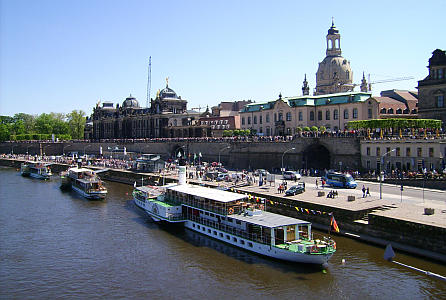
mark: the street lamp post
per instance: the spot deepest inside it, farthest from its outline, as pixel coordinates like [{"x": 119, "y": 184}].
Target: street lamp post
[
  {"x": 27, "y": 156},
  {"x": 380, "y": 176},
  {"x": 140, "y": 151},
  {"x": 63, "y": 150},
  {"x": 44, "y": 149},
  {"x": 12, "y": 149},
  {"x": 176, "y": 151},
  {"x": 283, "y": 156},
  {"x": 229, "y": 147},
  {"x": 86, "y": 148}
]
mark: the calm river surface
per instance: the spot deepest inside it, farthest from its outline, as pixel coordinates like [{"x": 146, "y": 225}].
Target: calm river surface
[{"x": 57, "y": 245}]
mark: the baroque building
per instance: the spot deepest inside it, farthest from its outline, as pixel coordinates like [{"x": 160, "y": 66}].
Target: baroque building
[
  {"x": 432, "y": 90},
  {"x": 334, "y": 74},
  {"x": 167, "y": 117}
]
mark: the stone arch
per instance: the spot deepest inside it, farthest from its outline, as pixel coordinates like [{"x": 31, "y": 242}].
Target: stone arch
[
  {"x": 178, "y": 149},
  {"x": 316, "y": 157}
]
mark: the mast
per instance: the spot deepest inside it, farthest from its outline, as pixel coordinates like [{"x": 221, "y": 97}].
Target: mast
[{"x": 149, "y": 77}]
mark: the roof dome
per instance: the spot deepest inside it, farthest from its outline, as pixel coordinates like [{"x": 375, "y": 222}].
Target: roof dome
[
  {"x": 334, "y": 67},
  {"x": 167, "y": 92},
  {"x": 130, "y": 101}
]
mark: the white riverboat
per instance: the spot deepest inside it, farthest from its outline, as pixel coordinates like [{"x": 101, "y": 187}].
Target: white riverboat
[
  {"x": 24, "y": 169},
  {"x": 235, "y": 219},
  {"x": 39, "y": 170},
  {"x": 84, "y": 181}
]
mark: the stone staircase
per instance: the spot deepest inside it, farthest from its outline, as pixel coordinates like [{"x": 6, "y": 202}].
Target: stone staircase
[{"x": 365, "y": 219}]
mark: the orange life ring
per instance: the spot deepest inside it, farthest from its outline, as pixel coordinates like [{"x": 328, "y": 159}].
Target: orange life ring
[
  {"x": 334, "y": 245},
  {"x": 80, "y": 176},
  {"x": 230, "y": 210},
  {"x": 261, "y": 207}
]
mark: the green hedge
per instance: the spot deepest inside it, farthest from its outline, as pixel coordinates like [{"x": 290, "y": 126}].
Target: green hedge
[{"x": 38, "y": 136}]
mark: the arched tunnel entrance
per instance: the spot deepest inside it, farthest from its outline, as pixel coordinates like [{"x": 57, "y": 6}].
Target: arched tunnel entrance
[{"x": 316, "y": 157}]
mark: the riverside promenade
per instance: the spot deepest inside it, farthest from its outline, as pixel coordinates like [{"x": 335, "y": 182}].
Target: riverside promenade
[{"x": 406, "y": 227}]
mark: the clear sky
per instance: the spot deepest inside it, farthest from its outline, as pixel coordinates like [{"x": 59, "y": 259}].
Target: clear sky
[{"x": 57, "y": 56}]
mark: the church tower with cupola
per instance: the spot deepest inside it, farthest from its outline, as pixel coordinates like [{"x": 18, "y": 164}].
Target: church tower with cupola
[{"x": 334, "y": 74}]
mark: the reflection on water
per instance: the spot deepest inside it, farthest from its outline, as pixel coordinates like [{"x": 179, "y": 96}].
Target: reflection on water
[{"x": 56, "y": 244}]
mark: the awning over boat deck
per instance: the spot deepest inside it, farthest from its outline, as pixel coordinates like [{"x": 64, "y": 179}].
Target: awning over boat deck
[
  {"x": 270, "y": 220},
  {"x": 208, "y": 193}
]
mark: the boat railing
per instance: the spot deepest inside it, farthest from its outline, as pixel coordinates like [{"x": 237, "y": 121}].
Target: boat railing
[
  {"x": 198, "y": 204},
  {"x": 232, "y": 230}
]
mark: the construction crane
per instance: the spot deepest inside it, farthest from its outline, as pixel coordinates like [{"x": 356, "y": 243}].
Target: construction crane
[
  {"x": 149, "y": 81},
  {"x": 199, "y": 108},
  {"x": 390, "y": 79}
]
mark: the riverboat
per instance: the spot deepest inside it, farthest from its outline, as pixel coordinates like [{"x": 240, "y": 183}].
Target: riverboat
[
  {"x": 25, "y": 170},
  {"x": 40, "y": 170},
  {"x": 234, "y": 218},
  {"x": 84, "y": 181}
]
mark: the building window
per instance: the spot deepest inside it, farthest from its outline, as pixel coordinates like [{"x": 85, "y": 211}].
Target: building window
[
  {"x": 275, "y": 117},
  {"x": 288, "y": 116},
  {"x": 268, "y": 131},
  {"x": 390, "y": 111},
  {"x": 255, "y": 119},
  {"x": 327, "y": 115},
  {"x": 431, "y": 152},
  {"x": 399, "y": 111},
  {"x": 288, "y": 130},
  {"x": 368, "y": 164},
  {"x": 439, "y": 100},
  {"x": 346, "y": 114},
  {"x": 388, "y": 151},
  {"x": 368, "y": 151},
  {"x": 267, "y": 118},
  {"x": 378, "y": 151},
  {"x": 301, "y": 117},
  {"x": 319, "y": 115},
  {"x": 280, "y": 116},
  {"x": 383, "y": 111},
  {"x": 407, "y": 151},
  {"x": 355, "y": 113},
  {"x": 419, "y": 152},
  {"x": 398, "y": 151},
  {"x": 311, "y": 115},
  {"x": 260, "y": 120},
  {"x": 243, "y": 121},
  {"x": 369, "y": 113},
  {"x": 335, "y": 114},
  {"x": 249, "y": 120}
]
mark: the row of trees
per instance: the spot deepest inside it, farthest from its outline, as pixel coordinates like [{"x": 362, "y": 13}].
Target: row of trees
[
  {"x": 36, "y": 127},
  {"x": 395, "y": 124}
]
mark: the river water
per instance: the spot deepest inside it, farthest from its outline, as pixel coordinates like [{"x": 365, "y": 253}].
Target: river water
[{"x": 57, "y": 245}]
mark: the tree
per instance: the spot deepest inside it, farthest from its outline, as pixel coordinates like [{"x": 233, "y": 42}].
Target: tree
[
  {"x": 44, "y": 124},
  {"x": 314, "y": 128},
  {"x": 29, "y": 121},
  {"x": 76, "y": 123}
]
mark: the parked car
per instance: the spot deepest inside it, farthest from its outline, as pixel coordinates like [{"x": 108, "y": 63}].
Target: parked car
[
  {"x": 296, "y": 189},
  {"x": 260, "y": 171},
  {"x": 222, "y": 177},
  {"x": 291, "y": 175}
]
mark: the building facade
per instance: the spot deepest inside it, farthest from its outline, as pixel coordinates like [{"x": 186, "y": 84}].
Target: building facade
[
  {"x": 403, "y": 155},
  {"x": 432, "y": 90},
  {"x": 167, "y": 117}
]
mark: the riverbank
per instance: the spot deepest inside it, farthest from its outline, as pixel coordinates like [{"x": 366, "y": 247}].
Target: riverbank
[{"x": 406, "y": 226}]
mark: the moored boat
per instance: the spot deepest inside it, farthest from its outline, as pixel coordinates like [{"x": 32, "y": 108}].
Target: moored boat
[
  {"x": 40, "y": 170},
  {"x": 84, "y": 181},
  {"x": 24, "y": 169},
  {"x": 236, "y": 219}
]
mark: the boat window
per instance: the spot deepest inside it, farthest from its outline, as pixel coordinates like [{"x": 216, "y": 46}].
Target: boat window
[
  {"x": 230, "y": 220},
  {"x": 228, "y": 237},
  {"x": 209, "y": 231},
  {"x": 242, "y": 242},
  {"x": 238, "y": 222},
  {"x": 250, "y": 244},
  {"x": 204, "y": 229},
  {"x": 198, "y": 226},
  {"x": 215, "y": 232},
  {"x": 221, "y": 234},
  {"x": 234, "y": 239}
]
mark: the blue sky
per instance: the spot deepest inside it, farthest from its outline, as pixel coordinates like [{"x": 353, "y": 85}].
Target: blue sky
[{"x": 57, "y": 56}]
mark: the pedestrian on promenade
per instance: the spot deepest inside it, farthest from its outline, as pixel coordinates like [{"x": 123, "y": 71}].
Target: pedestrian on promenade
[
  {"x": 317, "y": 184},
  {"x": 363, "y": 191},
  {"x": 323, "y": 183},
  {"x": 368, "y": 192}
]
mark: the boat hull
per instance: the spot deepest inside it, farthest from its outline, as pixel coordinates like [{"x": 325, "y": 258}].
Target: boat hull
[
  {"x": 259, "y": 248},
  {"x": 99, "y": 195},
  {"x": 40, "y": 176}
]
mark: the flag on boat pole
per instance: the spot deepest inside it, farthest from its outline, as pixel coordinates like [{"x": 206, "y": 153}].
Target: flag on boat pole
[
  {"x": 333, "y": 224},
  {"x": 125, "y": 151},
  {"x": 100, "y": 150}
]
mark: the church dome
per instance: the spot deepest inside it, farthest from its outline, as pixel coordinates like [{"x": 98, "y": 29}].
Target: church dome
[
  {"x": 334, "y": 74},
  {"x": 130, "y": 101},
  {"x": 167, "y": 92}
]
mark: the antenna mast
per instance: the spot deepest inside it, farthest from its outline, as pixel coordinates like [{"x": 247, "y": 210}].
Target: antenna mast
[{"x": 149, "y": 79}]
